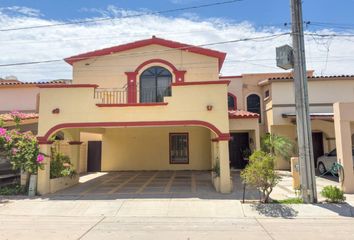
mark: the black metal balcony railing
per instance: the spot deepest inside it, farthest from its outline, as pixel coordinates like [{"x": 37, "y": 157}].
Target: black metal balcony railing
[{"x": 120, "y": 96}]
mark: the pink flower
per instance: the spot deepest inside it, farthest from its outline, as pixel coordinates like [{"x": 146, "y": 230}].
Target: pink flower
[
  {"x": 40, "y": 158},
  {"x": 2, "y": 131},
  {"x": 8, "y": 138}
]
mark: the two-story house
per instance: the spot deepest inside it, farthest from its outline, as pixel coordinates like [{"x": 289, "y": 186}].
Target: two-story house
[{"x": 153, "y": 104}]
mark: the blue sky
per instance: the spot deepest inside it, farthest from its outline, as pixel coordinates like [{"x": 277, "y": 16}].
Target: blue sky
[
  {"x": 259, "y": 12},
  {"x": 244, "y": 19}
]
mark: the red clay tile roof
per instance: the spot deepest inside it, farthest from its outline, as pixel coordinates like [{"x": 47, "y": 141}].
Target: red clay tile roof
[
  {"x": 310, "y": 78},
  {"x": 154, "y": 40},
  {"x": 16, "y": 82},
  {"x": 24, "y": 116},
  {"x": 313, "y": 77},
  {"x": 236, "y": 114}
]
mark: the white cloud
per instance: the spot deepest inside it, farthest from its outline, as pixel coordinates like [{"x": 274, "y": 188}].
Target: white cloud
[
  {"x": 17, "y": 10},
  {"x": 329, "y": 56}
]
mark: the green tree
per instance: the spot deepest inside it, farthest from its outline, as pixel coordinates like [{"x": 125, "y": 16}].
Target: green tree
[
  {"x": 260, "y": 173},
  {"x": 278, "y": 146}
]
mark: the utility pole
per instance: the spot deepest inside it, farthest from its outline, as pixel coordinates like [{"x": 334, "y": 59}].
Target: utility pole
[{"x": 304, "y": 134}]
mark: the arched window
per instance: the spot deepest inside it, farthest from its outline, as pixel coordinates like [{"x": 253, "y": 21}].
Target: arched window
[
  {"x": 155, "y": 83},
  {"x": 231, "y": 101},
  {"x": 254, "y": 104}
]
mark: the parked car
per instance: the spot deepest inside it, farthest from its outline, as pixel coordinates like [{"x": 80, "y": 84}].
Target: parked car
[{"x": 325, "y": 162}]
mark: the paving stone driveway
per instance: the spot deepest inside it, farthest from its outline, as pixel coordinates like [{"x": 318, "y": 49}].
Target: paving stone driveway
[{"x": 142, "y": 183}]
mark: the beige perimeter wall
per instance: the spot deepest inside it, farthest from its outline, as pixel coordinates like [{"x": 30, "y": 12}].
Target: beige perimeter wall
[{"x": 148, "y": 149}]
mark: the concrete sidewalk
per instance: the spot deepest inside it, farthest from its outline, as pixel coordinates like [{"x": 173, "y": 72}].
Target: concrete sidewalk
[{"x": 42, "y": 218}]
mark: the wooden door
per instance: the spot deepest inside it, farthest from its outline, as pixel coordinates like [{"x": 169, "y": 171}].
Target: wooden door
[
  {"x": 94, "y": 154},
  {"x": 317, "y": 144},
  {"x": 238, "y": 143}
]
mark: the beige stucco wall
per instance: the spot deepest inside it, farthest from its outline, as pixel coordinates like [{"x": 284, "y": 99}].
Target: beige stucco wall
[
  {"x": 78, "y": 105},
  {"x": 148, "y": 149},
  {"x": 18, "y": 98},
  {"x": 109, "y": 71},
  {"x": 343, "y": 121}
]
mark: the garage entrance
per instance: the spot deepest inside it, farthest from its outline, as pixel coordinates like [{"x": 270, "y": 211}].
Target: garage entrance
[{"x": 317, "y": 143}]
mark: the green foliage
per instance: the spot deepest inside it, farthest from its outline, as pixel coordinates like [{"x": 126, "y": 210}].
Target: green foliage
[
  {"x": 260, "y": 173},
  {"x": 60, "y": 165},
  {"x": 21, "y": 149},
  {"x": 2, "y": 123},
  {"x": 13, "y": 189},
  {"x": 278, "y": 146},
  {"x": 216, "y": 168},
  {"x": 333, "y": 194},
  {"x": 289, "y": 201}
]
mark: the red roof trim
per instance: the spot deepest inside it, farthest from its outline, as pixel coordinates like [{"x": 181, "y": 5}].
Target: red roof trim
[
  {"x": 68, "y": 86},
  {"x": 131, "y": 104},
  {"x": 132, "y": 124},
  {"x": 200, "y": 83},
  {"x": 158, "y": 41}
]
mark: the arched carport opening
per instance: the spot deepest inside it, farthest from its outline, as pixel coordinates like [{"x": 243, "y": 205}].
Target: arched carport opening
[{"x": 151, "y": 146}]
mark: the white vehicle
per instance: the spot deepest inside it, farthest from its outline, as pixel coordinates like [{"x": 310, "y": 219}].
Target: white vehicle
[{"x": 325, "y": 162}]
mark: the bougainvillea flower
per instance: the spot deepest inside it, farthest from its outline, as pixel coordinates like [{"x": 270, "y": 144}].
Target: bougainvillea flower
[
  {"x": 40, "y": 158},
  {"x": 2, "y": 131}
]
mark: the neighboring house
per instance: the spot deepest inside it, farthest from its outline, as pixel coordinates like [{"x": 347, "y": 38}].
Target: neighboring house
[{"x": 24, "y": 98}]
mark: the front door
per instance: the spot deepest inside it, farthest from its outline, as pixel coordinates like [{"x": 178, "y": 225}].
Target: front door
[
  {"x": 238, "y": 144},
  {"x": 94, "y": 153},
  {"x": 317, "y": 143}
]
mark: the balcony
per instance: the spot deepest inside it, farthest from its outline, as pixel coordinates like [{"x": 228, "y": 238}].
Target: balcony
[{"x": 114, "y": 97}]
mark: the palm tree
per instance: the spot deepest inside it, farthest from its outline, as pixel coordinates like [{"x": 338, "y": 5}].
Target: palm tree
[{"x": 278, "y": 146}]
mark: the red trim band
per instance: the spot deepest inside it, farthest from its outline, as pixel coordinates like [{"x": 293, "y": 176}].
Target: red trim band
[
  {"x": 201, "y": 83},
  {"x": 132, "y": 124},
  {"x": 158, "y": 41},
  {"x": 131, "y": 104},
  {"x": 223, "y": 137},
  {"x": 67, "y": 85},
  {"x": 42, "y": 141}
]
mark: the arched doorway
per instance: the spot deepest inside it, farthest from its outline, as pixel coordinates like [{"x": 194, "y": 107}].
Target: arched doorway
[{"x": 155, "y": 84}]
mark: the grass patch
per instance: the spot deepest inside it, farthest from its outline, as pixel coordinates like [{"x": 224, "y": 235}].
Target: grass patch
[
  {"x": 13, "y": 189},
  {"x": 289, "y": 201}
]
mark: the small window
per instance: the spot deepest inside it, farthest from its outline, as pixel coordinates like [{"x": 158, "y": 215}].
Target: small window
[
  {"x": 231, "y": 101},
  {"x": 254, "y": 104},
  {"x": 266, "y": 93},
  {"x": 179, "y": 148}
]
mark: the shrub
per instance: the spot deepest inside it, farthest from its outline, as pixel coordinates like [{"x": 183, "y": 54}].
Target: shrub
[
  {"x": 333, "y": 194},
  {"x": 12, "y": 189},
  {"x": 216, "y": 168},
  {"x": 260, "y": 173},
  {"x": 22, "y": 150},
  {"x": 60, "y": 165},
  {"x": 278, "y": 146}
]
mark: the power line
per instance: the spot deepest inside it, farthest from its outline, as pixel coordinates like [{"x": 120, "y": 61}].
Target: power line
[
  {"x": 268, "y": 37},
  {"x": 123, "y": 17}
]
